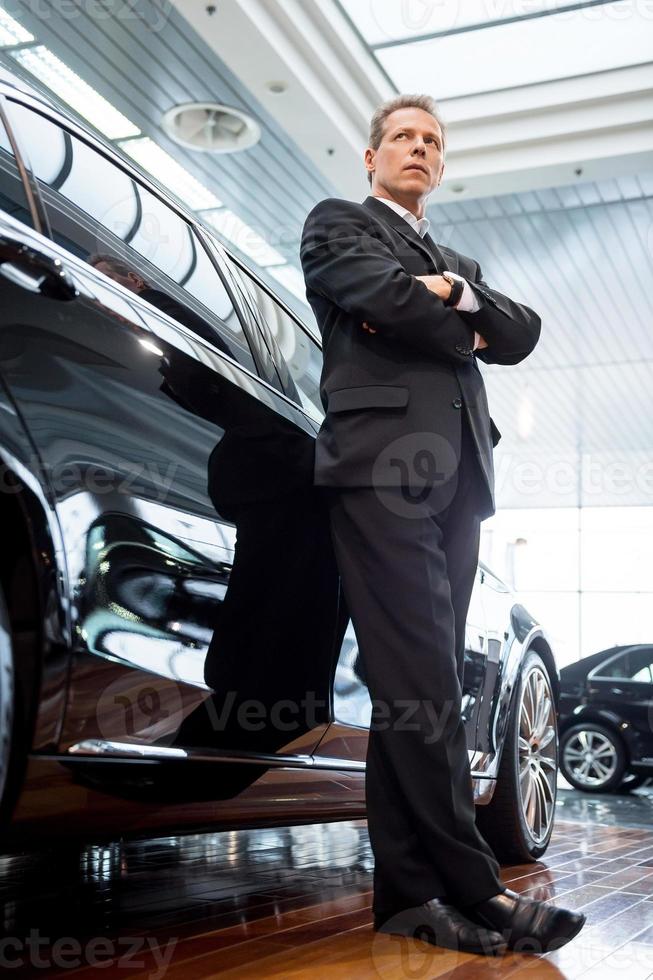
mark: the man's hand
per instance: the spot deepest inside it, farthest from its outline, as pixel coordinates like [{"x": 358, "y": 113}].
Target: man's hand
[
  {"x": 442, "y": 288},
  {"x": 436, "y": 284}
]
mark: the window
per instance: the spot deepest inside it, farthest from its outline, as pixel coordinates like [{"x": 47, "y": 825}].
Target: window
[
  {"x": 13, "y": 200},
  {"x": 267, "y": 364},
  {"x": 97, "y": 210},
  {"x": 299, "y": 356},
  {"x": 636, "y": 664}
]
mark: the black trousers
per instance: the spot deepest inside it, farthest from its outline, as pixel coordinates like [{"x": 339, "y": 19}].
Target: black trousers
[{"x": 407, "y": 571}]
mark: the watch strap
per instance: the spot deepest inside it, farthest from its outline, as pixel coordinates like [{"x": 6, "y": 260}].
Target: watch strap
[{"x": 457, "y": 287}]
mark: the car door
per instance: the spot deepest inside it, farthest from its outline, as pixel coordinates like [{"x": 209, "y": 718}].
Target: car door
[
  {"x": 199, "y": 567},
  {"x": 623, "y": 688},
  {"x": 474, "y": 706},
  {"x": 497, "y": 603}
]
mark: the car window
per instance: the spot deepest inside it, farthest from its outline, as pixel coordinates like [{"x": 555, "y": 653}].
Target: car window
[
  {"x": 100, "y": 213},
  {"x": 295, "y": 348},
  {"x": 13, "y": 200},
  {"x": 636, "y": 664}
]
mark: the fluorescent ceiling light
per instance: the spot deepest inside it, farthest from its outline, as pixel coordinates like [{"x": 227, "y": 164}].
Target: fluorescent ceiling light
[
  {"x": 11, "y": 32},
  {"x": 290, "y": 277},
  {"x": 59, "y": 78},
  {"x": 171, "y": 174},
  {"x": 521, "y": 53},
  {"x": 248, "y": 241}
]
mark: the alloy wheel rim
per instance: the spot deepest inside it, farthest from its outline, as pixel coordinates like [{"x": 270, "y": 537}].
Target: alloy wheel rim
[
  {"x": 591, "y": 758},
  {"x": 538, "y": 754}
]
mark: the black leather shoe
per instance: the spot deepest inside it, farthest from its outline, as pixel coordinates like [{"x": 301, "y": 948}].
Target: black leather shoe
[
  {"x": 441, "y": 924},
  {"x": 525, "y": 923}
]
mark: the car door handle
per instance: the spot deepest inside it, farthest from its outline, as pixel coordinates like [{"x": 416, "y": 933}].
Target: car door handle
[{"x": 33, "y": 270}]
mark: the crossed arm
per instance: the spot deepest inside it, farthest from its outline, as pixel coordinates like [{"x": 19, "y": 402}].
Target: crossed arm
[
  {"x": 346, "y": 258},
  {"x": 439, "y": 285}
]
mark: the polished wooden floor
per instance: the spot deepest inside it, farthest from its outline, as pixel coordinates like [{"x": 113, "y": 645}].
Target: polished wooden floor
[{"x": 295, "y": 902}]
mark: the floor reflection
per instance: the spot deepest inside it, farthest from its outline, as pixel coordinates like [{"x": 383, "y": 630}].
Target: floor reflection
[
  {"x": 257, "y": 902},
  {"x": 633, "y": 809}
]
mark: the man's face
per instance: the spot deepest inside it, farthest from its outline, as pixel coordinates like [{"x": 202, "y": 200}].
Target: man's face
[
  {"x": 409, "y": 161},
  {"x": 131, "y": 281}
]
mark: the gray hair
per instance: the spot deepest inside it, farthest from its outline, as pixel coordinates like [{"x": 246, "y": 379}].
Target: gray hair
[
  {"x": 114, "y": 262},
  {"x": 378, "y": 120}
]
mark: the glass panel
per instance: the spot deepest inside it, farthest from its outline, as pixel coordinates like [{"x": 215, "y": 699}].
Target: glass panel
[
  {"x": 635, "y": 665},
  {"x": 130, "y": 234},
  {"x": 43, "y": 144},
  {"x": 380, "y": 21},
  {"x": 614, "y": 619},
  {"x": 248, "y": 241},
  {"x": 558, "y": 612},
  {"x": 12, "y": 193},
  {"x": 616, "y": 548},
  {"x": 533, "y": 549},
  {"x": 564, "y": 44},
  {"x": 296, "y": 349}
]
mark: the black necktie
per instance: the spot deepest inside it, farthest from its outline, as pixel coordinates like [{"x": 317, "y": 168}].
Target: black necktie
[{"x": 438, "y": 258}]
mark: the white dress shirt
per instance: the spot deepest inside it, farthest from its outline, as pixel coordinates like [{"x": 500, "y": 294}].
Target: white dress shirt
[{"x": 468, "y": 303}]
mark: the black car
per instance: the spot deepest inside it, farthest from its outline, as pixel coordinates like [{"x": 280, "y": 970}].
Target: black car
[
  {"x": 174, "y": 647},
  {"x": 606, "y": 719}
]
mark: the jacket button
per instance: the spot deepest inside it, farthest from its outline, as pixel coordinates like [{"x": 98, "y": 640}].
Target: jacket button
[{"x": 457, "y": 403}]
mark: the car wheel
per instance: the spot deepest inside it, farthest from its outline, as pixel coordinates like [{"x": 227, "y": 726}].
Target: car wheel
[
  {"x": 518, "y": 821},
  {"x": 592, "y": 757},
  {"x": 7, "y": 706}
]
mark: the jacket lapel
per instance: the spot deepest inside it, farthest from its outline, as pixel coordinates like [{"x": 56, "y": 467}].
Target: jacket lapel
[{"x": 438, "y": 256}]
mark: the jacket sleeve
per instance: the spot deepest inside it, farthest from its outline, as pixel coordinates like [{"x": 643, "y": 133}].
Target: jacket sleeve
[
  {"x": 345, "y": 259},
  {"x": 511, "y": 329}
]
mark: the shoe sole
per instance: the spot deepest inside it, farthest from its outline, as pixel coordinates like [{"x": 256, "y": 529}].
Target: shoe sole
[{"x": 413, "y": 933}]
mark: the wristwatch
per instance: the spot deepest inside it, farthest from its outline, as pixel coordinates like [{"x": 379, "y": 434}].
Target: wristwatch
[{"x": 456, "y": 289}]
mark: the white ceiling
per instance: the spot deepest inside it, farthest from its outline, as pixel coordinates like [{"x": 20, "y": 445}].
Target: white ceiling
[{"x": 587, "y": 108}]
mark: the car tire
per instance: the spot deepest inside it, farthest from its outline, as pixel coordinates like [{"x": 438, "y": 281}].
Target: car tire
[
  {"x": 518, "y": 822},
  {"x": 11, "y": 758},
  {"x": 593, "y": 757}
]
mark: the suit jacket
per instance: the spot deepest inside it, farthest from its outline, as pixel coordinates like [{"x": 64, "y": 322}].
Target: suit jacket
[{"x": 393, "y": 396}]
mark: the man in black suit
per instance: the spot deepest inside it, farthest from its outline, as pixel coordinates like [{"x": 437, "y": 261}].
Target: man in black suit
[{"x": 405, "y": 457}]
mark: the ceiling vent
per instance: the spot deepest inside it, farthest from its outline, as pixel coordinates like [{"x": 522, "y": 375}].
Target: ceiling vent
[{"x": 211, "y": 127}]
